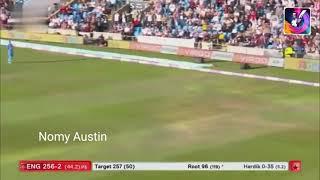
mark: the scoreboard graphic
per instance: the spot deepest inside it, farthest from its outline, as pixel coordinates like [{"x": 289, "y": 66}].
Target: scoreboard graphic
[{"x": 88, "y": 166}]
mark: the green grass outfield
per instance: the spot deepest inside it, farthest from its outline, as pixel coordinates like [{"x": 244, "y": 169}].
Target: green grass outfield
[{"x": 153, "y": 114}]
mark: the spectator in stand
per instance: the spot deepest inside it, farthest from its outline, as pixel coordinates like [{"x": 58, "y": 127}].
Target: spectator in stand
[
  {"x": 3, "y": 16},
  {"x": 101, "y": 41},
  {"x": 298, "y": 48},
  {"x": 6, "y": 6}
]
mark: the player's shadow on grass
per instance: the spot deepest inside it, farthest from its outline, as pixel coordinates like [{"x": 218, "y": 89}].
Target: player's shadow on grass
[{"x": 51, "y": 61}]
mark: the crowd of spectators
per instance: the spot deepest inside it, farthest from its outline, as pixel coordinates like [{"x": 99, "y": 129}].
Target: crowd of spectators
[
  {"x": 251, "y": 23},
  {"x": 6, "y": 7},
  {"x": 84, "y": 15}
]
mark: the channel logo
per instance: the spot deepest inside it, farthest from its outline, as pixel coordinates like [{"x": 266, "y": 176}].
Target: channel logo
[{"x": 297, "y": 21}]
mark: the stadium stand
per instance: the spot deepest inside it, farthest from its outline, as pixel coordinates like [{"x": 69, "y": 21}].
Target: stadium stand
[
  {"x": 248, "y": 23},
  {"x": 85, "y": 15}
]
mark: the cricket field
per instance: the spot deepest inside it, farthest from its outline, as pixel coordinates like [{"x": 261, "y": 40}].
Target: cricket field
[{"x": 154, "y": 114}]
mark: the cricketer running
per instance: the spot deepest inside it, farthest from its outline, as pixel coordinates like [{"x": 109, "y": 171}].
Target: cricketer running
[{"x": 10, "y": 52}]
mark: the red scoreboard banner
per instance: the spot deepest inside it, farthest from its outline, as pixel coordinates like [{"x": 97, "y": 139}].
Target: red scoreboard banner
[
  {"x": 64, "y": 166},
  {"x": 88, "y": 166}
]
